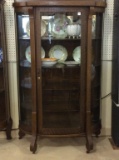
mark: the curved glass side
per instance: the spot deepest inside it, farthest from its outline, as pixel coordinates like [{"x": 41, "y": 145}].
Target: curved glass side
[{"x": 24, "y": 66}]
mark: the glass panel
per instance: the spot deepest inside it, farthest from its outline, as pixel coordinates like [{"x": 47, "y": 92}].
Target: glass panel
[
  {"x": 96, "y": 66},
  {"x": 2, "y": 85},
  {"x": 24, "y": 53},
  {"x": 61, "y": 61}
]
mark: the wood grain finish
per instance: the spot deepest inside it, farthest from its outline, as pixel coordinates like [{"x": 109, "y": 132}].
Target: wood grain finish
[
  {"x": 63, "y": 99},
  {"x": 89, "y": 3}
]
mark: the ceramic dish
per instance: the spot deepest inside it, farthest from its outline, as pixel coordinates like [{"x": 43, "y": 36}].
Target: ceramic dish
[
  {"x": 28, "y": 53},
  {"x": 59, "y": 25},
  {"x": 48, "y": 62},
  {"x": 71, "y": 63},
  {"x": 77, "y": 54},
  {"x": 59, "y": 52},
  {"x": 43, "y": 28}
]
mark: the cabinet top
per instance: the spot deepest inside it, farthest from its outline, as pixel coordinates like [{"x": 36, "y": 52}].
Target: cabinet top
[{"x": 89, "y": 3}]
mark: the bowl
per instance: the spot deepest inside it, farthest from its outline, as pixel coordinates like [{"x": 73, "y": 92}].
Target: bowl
[
  {"x": 73, "y": 30},
  {"x": 48, "y": 62},
  {"x": 49, "y": 59}
]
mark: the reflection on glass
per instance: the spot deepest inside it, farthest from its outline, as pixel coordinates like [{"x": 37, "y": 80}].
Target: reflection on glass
[
  {"x": 61, "y": 70},
  {"x": 25, "y": 85},
  {"x": 1, "y": 55},
  {"x": 93, "y": 26}
]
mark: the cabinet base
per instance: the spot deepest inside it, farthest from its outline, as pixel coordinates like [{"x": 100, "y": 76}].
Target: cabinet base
[{"x": 8, "y": 129}]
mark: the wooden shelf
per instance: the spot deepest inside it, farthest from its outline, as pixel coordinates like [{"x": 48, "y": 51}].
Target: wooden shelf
[
  {"x": 59, "y": 39},
  {"x": 61, "y": 111}
]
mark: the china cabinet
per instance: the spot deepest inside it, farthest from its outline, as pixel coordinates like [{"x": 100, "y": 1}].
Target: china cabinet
[
  {"x": 5, "y": 119},
  {"x": 59, "y": 61}
]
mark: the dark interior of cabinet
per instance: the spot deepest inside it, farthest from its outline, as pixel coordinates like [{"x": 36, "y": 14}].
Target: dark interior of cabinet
[
  {"x": 2, "y": 104},
  {"x": 1, "y": 78},
  {"x": 96, "y": 81},
  {"x": 25, "y": 95},
  {"x": 61, "y": 89},
  {"x": 61, "y": 97}
]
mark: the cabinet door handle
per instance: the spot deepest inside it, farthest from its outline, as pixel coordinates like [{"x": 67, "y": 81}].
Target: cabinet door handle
[{"x": 38, "y": 78}]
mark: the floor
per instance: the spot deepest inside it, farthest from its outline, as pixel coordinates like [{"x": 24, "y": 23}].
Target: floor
[{"x": 57, "y": 149}]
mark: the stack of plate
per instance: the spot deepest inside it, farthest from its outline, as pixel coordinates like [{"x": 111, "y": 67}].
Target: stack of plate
[{"x": 48, "y": 62}]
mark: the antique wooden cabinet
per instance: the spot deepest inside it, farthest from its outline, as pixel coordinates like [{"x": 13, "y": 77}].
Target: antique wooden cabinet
[
  {"x": 59, "y": 61},
  {"x": 5, "y": 120}
]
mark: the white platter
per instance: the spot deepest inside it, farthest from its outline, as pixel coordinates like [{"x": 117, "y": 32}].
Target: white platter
[{"x": 71, "y": 63}]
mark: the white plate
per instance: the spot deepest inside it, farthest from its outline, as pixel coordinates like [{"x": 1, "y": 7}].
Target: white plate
[
  {"x": 59, "y": 25},
  {"x": 28, "y": 53},
  {"x": 59, "y": 52},
  {"x": 77, "y": 54},
  {"x": 43, "y": 28},
  {"x": 71, "y": 63}
]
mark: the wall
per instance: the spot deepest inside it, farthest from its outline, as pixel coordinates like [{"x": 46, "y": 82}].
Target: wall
[{"x": 106, "y": 65}]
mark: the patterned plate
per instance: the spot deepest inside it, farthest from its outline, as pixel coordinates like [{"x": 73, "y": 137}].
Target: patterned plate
[
  {"x": 77, "y": 54},
  {"x": 59, "y": 52},
  {"x": 43, "y": 28},
  {"x": 59, "y": 25},
  {"x": 28, "y": 53}
]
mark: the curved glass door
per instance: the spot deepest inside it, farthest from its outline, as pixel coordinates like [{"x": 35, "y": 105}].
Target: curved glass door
[{"x": 24, "y": 66}]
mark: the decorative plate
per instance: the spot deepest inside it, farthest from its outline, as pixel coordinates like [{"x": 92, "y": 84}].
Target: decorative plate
[
  {"x": 43, "y": 28},
  {"x": 59, "y": 52},
  {"x": 77, "y": 54},
  {"x": 28, "y": 53},
  {"x": 59, "y": 25}
]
